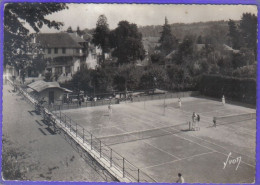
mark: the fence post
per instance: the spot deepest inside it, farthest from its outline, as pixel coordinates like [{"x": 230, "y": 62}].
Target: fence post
[
  {"x": 83, "y": 136},
  {"x": 76, "y": 130},
  {"x": 138, "y": 175},
  {"x": 91, "y": 141},
  {"x": 123, "y": 167},
  {"x": 100, "y": 148},
  {"x": 60, "y": 116},
  {"x": 111, "y": 157}
]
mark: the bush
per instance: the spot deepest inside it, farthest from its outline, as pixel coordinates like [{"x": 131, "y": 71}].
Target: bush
[{"x": 238, "y": 89}]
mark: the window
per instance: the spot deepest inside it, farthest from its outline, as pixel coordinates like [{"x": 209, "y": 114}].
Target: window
[
  {"x": 55, "y": 50},
  {"x": 63, "y": 50},
  {"x": 49, "y": 50},
  {"x": 77, "y": 50}
]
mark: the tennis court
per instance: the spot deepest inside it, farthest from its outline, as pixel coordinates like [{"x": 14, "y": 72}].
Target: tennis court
[{"x": 154, "y": 136}]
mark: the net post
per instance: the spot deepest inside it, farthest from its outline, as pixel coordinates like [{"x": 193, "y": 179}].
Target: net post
[
  {"x": 111, "y": 158},
  {"x": 123, "y": 167},
  {"x": 83, "y": 136},
  {"x": 100, "y": 148},
  {"x": 138, "y": 175},
  {"x": 91, "y": 141}
]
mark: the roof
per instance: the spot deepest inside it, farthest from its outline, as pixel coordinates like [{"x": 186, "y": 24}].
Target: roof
[
  {"x": 200, "y": 46},
  {"x": 169, "y": 56},
  {"x": 228, "y": 48},
  {"x": 42, "y": 85},
  {"x": 61, "y": 40},
  {"x": 87, "y": 37},
  {"x": 76, "y": 38}
]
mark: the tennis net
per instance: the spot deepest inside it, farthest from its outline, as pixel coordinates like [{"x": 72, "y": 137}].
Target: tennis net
[
  {"x": 139, "y": 135},
  {"x": 234, "y": 118}
]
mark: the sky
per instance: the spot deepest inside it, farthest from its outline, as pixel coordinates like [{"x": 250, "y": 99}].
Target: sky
[{"x": 86, "y": 15}]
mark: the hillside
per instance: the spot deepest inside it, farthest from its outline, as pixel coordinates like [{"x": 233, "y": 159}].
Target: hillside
[{"x": 181, "y": 29}]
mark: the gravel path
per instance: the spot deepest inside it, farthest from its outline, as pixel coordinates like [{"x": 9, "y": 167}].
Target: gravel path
[{"x": 32, "y": 152}]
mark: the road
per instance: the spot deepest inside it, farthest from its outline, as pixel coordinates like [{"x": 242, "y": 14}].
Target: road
[{"x": 35, "y": 152}]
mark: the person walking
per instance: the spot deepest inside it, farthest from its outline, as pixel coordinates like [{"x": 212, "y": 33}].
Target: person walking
[{"x": 180, "y": 178}]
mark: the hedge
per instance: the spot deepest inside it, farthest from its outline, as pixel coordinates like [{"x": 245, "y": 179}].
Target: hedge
[{"x": 238, "y": 89}]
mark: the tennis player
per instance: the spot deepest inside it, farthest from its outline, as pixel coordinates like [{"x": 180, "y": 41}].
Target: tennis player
[
  {"x": 179, "y": 102},
  {"x": 223, "y": 100},
  {"x": 180, "y": 178},
  {"x": 110, "y": 108}
]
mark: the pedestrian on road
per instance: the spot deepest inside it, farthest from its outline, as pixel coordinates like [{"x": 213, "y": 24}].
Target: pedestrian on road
[{"x": 180, "y": 178}]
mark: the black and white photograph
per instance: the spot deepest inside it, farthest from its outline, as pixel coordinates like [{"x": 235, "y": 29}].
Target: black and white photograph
[{"x": 149, "y": 93}]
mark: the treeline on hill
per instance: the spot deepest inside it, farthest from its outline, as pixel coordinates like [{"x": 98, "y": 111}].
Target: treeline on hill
[
  {"x": 174, "y": 63},
  {"x": 181, "y": 29}
]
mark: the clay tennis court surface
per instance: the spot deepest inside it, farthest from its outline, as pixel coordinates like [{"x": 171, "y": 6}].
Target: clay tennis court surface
[{"x": 172, "y": 148}]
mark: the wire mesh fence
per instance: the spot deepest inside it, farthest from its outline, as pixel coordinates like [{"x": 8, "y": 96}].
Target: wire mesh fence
[
  {"x": 165, "y": 96},
  {"x": 115, "y": 160}
]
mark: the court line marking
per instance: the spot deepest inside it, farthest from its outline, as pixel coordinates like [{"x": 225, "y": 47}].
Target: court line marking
[
  {"x": 208, "y": 117},
  {"x": 214, "y": 143},
  {"x": 135, "y": 132},
  {"x": 197, "y": 143},
  {"x": 211, "y": 148},
  {"x": 160, "y": 150},
  {"x": 178, "y": 160},
  {"x": 217, "y": 151},
  {"x": 191, "y": 136}
]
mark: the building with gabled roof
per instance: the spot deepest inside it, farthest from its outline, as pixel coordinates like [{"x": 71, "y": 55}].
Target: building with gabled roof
[
  {"x": 65, "y": 52},
  {"x": 51, "y": 92}
]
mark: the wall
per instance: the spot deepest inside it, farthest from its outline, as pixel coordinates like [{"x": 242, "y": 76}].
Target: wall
[
  {"x": 69, "y": 52},
  {"x": 58, "y": 95},
  {"x": 91, "y": 61}
]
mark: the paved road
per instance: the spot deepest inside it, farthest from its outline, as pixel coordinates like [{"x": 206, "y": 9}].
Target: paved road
[{"x": 37, "y": 152}]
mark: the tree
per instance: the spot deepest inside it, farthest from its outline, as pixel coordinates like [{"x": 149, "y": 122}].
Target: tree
[
  {"x": 126, "y": 41},
  {"x": 101, "y": 35},
  {"x": 234, "y": 34},
  {"x": 248, "y": 28},
  {"x": 167, "y": 41},
  {"x": 127, "y": 77},
  {"x": 79, "y": 32},
  {"x": 16, "y": 36},
  {"x": 199, "y": 40},
  {"x": 69, "y": 30}
]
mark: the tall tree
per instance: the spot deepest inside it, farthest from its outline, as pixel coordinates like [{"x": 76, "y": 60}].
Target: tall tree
[
  {"x": 126, "y": 41},
  {"x": 248, "y": 27},
  {"x": 69, "y": 30},
  {"x": 234, "y": 34},
  {"x": 167, "y": 40},
  {"x": 79, "y": 32},
  {"x": 101, "y": 35},
  {"x": 16, "y": 36}
]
